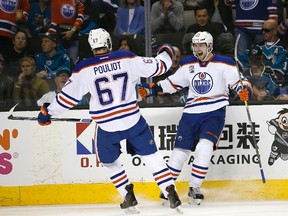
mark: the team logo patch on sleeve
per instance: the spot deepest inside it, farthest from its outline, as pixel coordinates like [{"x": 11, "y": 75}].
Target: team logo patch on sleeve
[{"x": 191, "y": 69}]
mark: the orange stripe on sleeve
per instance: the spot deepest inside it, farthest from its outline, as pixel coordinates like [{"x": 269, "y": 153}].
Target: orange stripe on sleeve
[
  {"x": 66, "y": 101},
  {"x": 160, "y": 70},
  {"x": 174, "y": 86}
]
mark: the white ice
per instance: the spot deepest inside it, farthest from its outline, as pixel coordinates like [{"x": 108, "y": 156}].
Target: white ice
[{"x": 207, "y": 208}]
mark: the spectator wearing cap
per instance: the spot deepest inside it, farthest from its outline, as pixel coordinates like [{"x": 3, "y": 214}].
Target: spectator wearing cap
[
  {"x": 28, "y": 88},
  {"x": 260, "y": 91},
  {"x": 272, "y": 80},
  {"x": 6, "y": 84},
  {"x": 62, "y": 76},
  {"x": 51, "y": 58},
  {"x": 274, "y": 50}
]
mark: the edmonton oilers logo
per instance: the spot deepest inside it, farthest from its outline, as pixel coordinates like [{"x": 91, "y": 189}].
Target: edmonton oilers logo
[
  {"x": 9, "y": 6},
  {"x": 67, "y": 11},
  {"x": 202, "y": 83},
  {"x": 248, "y": 4}
]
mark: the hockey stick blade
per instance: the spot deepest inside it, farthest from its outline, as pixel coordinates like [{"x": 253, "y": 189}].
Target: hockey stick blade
[
  {"x": 24, "y": 118},
  {"x": 248, "y": 112}
]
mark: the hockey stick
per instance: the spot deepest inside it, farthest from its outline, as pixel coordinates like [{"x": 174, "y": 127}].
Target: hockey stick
[
  {"x": 11, "y": 117},
  {"x": 248, "y": 112}
]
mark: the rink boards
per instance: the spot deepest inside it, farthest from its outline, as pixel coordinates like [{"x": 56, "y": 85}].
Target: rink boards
[
  {"x": 57, "y": 164},
  {"x": 106, "y": 193}
]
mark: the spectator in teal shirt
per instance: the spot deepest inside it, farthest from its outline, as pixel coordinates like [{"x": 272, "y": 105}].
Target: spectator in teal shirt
[{"x": 51, "y": 58}]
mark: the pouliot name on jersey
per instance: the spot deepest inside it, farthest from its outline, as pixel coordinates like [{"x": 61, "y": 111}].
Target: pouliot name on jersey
[{"x": 107, "y": 67}]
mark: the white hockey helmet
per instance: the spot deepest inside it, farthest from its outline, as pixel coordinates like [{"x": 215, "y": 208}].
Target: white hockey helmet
[
  {"x": 99, "y": 38},
  {"x": 202, "y": 37}
]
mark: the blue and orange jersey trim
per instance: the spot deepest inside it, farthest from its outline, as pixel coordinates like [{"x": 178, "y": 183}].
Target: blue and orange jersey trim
[
  {"x": 197, "y": 102},
  {"x": 114, "y": 113},
  {"x": 66, "y": 101}
]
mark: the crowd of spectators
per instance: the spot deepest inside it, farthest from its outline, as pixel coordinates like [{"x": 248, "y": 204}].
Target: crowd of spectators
[{"x": 41, "y": 40}]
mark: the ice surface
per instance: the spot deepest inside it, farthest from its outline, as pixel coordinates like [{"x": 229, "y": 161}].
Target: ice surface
[{"x": 207, "y": 208}]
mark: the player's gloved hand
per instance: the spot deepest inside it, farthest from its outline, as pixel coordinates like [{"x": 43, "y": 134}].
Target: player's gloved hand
[
  {"x": 168, "y": 48},
  {"x": 142, "y": 92},
  {"x": 147, "y": 90},
  {"x": 244, "y": 94},
  {"x": 43, "y": 116}
]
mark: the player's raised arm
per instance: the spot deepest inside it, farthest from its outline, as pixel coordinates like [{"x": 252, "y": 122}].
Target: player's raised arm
[{"x": 150, "y": 66}]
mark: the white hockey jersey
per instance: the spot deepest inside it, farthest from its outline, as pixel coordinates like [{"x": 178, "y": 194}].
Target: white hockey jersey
[
  {"x": 111, "y": 79},
  {"x": 208, "y": 83},
  {"x": 46, "y": 98}
]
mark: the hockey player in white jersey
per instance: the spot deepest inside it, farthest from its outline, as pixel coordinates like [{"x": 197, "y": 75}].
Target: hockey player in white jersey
[
  {"x": 111, "y": 77},
  {"x": 209, "y": 77}
]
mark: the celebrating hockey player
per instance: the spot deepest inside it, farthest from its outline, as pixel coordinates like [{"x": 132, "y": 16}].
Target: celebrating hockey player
[
  {"x": 111, "y": 77},
  {"x": 209, "y": 77}
]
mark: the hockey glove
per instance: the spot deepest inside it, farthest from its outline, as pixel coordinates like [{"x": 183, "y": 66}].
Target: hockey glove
[
  {"x": 43, "y": 116},
  {"x": 244, "y": 94},
  {"x": 142, "y": 92},
  {"x": 167, "y": 48},
  {"x": 147, "y": 90}
]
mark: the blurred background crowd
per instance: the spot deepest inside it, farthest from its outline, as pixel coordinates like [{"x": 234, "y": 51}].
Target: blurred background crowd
[{"x": 42, "y": 40}]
